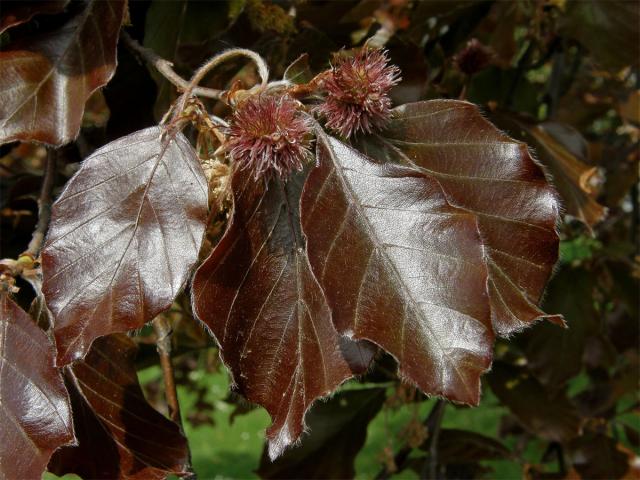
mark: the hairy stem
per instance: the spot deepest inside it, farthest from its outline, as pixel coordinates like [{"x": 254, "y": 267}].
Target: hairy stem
[
  {"x": 162, "y": 330},
  {"x": 165, "y": 68},
  {"x": 192, "y": 86},
  {"x": 44, "y": 204}
]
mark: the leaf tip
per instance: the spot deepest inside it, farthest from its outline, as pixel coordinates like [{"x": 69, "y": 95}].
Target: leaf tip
[
  {"x": 557, "y": 319},
  {"x": 67, "y": 354},
  {"x": 281, "y": 440}
]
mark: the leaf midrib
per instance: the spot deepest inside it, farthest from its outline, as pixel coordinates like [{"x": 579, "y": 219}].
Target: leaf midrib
[{"x": 406, "y": 292}]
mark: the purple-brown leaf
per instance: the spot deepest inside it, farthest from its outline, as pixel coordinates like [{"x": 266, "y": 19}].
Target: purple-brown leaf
[
  {"x": 47, "y": 78},
  {"x": 338, "y": 430},
  {"x": 400, "y": 267},
  {"x": 124, "y": 236},
  {"x": 492, "y": 177},
  {"x": 564, "y": 151},
  {"x": 35, "y": 413},
  {"x": 120, "y": 435},
  {"x": 550, "y": 415},
  {"x": 259, "y": 298}
]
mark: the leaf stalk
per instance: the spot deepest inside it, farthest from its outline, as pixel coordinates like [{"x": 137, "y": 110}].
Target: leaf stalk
[{"x": 44, "y": 204}]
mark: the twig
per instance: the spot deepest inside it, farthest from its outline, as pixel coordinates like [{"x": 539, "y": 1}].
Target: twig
[
  {"x": 44, "y": 205},
  {"x": 263, "y": 70},
  {"x": 523, "y": 64},
  {"x": 555, "y": 82},
  {"x": 162, "y": 330},
  {"x": 399, "y": 459},
  {"x": 430, "y": 467},
  {"x": 573, "y": 70},
  {"x": 165, "y": 68}
]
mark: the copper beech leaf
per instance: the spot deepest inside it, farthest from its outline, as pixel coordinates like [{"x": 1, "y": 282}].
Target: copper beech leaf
[
  {"x": 259, "y": 298},
  {"x": 47, "y": 77},
  {"x": 120, "y": 435},
  {"x": 400, "y": 267},
  {"x": 338, "y": 430},
  {"x": 550, "y": 415},
  {"x": 124, "y": 236},
  {"x": 494, "y": 178},
  {"x": 35, "y": 412},
  {"x": 564, "y": 151},
  {"x": 576, "y": 180}
]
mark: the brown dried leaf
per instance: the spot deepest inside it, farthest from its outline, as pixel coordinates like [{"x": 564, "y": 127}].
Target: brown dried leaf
[
  {"x": 629, "y": 109},
  {"x": 124, "y": 236},
  {"x": 47, "y": 78},
  {"x": 259, "y": 298},
  {"x": 35, "y": 413},
  {"x": 564, "y": 152},
  {"x": 400, "y": 267},
  {"x": 120, "y": 435}
]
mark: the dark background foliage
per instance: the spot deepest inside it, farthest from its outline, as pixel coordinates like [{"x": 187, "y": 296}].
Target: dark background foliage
[{"x": 561, "y": 75}]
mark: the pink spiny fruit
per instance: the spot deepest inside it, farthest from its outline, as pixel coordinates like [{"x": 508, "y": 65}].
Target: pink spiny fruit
[
  {"x": 358, "y": 93},
  {"x": 269, "y": 135}
]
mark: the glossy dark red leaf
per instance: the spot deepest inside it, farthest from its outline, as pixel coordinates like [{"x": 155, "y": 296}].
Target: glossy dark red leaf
[
  {"x": 401, "y": 267},
  {"x": 555, "y": 355},
  {"x": 338, "y": 429},
  {"x": 35, "y": 413},
  {"x": 258, "y": 296},
  {"x": 564, "y": 151},
  {"x": 47, "y": 78},
  {"x": 17, "y": 12},
  {"x": 494, "y": 178},
  {"x": 120, "y": 435},
  {"x": 124, "y": 236},
  {"x": 550, "y": 415}
]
